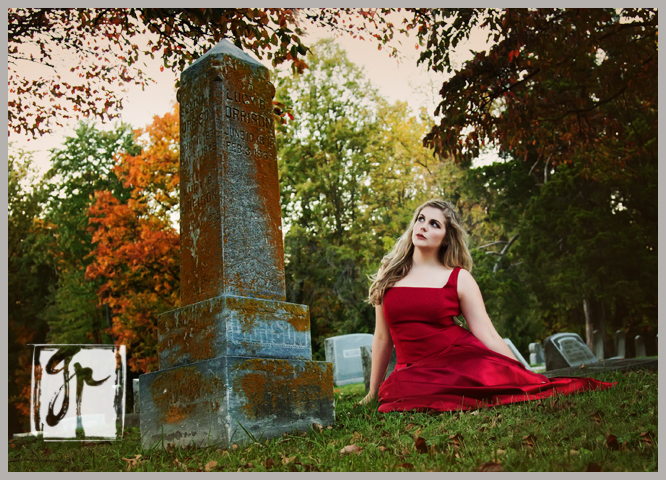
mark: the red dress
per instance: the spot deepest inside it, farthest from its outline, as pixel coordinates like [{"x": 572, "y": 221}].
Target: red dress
[{"x": 442, "y": 366}]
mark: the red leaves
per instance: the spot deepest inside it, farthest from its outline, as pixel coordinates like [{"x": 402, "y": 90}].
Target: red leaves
[
  {"x": 513, "y": 54},
  {"x": 611, "y": 442},
  {"x": 421, "y": 445},
  {"x": 136, "y": 251}
]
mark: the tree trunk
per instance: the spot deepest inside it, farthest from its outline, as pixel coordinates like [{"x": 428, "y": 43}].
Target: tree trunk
[
  {"x": 589, "y": 324},
  {"x": 595, "y": 319}
]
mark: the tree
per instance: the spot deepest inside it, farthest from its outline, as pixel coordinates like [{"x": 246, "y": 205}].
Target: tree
[
  {"x": 135, "y": 261},
  {"x": 80, "y": 167},
  {"x": 352, "y": 170},
  {"x": 569, "y": 97},
  {"x": 29, "y": 282},
  {"x": 83, "y": 55}
]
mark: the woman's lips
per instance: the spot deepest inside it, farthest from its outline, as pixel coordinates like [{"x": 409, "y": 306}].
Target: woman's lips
[{"x": 418, "y": 235}]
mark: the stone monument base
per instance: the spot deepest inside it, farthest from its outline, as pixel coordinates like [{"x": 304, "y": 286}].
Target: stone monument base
[
  {"x": 236, "y": 326},
  {"x": 238, "y": 400}
]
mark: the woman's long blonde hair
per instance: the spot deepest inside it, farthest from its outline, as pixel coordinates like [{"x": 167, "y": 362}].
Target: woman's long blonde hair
[{"x": 398, "y": 262}]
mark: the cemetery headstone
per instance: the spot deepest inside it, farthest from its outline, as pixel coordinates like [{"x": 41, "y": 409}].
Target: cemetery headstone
[
  {"x": 344, "y": 353},
  {"x": 517, "y": 354},
  {"x": 639, "y": 341},
  {"x": 620, "y": 344},
  {"x": 564, "y": 350},
  {"x": 536, "y": 354},
  {"x": 598, "y": 339},
  {"x": 235, "y": 361},
  {"x": 366, "y": 359},
  {"x": 136, "y": 395}
]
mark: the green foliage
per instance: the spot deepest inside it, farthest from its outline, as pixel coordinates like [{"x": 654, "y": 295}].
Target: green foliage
[
  {"x": 28, "y": 282},
  {"x": 351, "y": 172},
  {"x": 82, "y": 166},
  {"x": 569, "y": 96}
]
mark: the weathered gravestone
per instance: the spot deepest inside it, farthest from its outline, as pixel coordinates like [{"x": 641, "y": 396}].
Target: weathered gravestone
[
  {"x": 536, "y": 354},
  {"x": 235, "y": 359},
  {"x": 366, "y": 360},
  {"x": 639, "y": 342},
  {"x": 564, "y": 350},
  {"x": 344, "y": 353},
  {"x": 598, "y": 341},
  {"x": 516, "y": 353},
  {"x": 136, "y": 395},
  {"x": 620, "y": 343}
]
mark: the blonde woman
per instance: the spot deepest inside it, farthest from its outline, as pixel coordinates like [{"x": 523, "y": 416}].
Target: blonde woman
[{"x": 421, "y": 285}]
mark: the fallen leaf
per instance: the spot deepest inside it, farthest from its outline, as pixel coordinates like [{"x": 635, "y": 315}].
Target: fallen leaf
[
  {"x": 356, "y": 437},
  {"x": 317, "y": 427},
  {"x": 407, "y": 466},
  {"x": 132, "y": 462},
  {"x": 421, "y": 445},
  {"x": 409, "y": 426},
  {"x": 491, "y": 467},
  {"x": 456, "y": 439},
  {"x": 329, "y": 428},
  {"x": 475, "y": 412},
  {"x": 598, "y": 416},
  {"x": 288, "y": 460},
  {"x": 234, "y": 446},
  {"x": 647, "y": 438},
  {"x": 210, "y": 465},
  {"x": 417, "y": 433},
  {"x": 499, "y": 452},
  {"x": 353, "y": 448},
  {"x": 385, "y": 434},
  {"x": 248, "y": 465},
  {"x": 593, "y": 467},
  {"x": 611, "y": 442},
  {"x": 270, "y": 463},
  {"x": 382, "y": 449},
  {"x": 573, "y": 452},
  {"x": 530, "y": 440}
]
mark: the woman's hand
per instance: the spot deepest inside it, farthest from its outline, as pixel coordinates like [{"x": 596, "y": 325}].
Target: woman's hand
[{"x": 369, "y": 398}]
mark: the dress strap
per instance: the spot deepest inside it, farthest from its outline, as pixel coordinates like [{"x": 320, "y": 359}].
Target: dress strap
[{"x": 453, "y": 278}]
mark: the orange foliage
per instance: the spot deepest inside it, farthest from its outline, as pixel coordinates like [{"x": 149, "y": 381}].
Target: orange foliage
[{"x": 137, "y": 242}]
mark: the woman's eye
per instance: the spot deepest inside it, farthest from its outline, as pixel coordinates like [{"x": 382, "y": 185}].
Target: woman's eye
[{"x": 434, "y": 224}]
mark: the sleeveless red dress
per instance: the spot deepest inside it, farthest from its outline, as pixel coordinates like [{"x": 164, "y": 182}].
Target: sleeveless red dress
[{"x": 442, "y": 366}]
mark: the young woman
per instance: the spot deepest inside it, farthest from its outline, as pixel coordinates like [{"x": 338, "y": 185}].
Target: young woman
[{"x": 421, "y": 285}]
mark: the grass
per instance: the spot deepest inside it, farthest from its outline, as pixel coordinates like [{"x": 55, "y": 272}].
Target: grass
[{"x": 611, "y": 430}]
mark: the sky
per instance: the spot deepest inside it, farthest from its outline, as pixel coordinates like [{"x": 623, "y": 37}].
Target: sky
[{"x": 396, "y": 79}]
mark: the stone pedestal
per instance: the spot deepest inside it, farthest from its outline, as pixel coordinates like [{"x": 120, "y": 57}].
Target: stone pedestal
[{"x": 235, "y": 359}]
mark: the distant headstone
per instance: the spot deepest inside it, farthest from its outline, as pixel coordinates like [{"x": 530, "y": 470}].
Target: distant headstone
[
  {"x": 536, "y": 354},
  {"x": 598, "y": 340},
  {"x": 517, "y": 354},
  {"x": 564, "y": 350},
  {"x": 344, "y": 353},
  {"x": 136, "y": 395},
  {"x": 366, "y": 359},
  {"x": 639, "y": 342},
  {"x": 620, "y": 344},
  {"x": 235, "y": 360}
]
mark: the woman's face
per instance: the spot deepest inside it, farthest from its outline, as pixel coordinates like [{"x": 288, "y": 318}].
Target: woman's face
[{"x": 429, "y": 229}]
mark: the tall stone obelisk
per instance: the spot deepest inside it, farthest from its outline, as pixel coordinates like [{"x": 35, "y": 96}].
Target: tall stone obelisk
[{"x": 235, "y": 357}]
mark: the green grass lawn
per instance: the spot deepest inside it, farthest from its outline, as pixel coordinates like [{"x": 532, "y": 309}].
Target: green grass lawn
[{"x": 611, "y": 430}]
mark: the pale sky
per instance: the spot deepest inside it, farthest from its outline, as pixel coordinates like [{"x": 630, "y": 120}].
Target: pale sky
[{"x": 396, "y": 80}]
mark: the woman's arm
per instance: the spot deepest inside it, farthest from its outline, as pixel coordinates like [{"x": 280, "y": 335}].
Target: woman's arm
[
  {"x": 382, "y": 347},
  {"x": 474, "y": 311}
]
